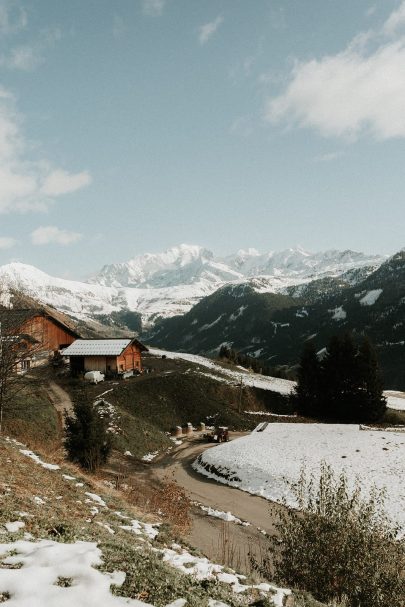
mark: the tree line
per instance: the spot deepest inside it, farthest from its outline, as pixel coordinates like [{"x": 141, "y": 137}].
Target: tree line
[{"x": 343, "y": 383}]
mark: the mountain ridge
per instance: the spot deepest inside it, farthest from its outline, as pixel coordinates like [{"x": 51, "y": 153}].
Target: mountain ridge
[{"x": 163, "y": 285}]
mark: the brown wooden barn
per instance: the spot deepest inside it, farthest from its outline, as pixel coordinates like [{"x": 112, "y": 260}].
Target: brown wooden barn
[
  {"x": 109, "y": 356},
  {"x": 45, "y": 330}
]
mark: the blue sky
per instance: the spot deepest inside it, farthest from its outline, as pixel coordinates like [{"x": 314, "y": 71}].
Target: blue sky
[{"x": 130, "y": 126}]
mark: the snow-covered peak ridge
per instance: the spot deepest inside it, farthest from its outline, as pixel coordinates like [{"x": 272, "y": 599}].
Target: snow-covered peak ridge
[
  {"x": 298, "y": 263},
  {"x": 183, "y": 264},
  {"x": 187, "y": 264}
]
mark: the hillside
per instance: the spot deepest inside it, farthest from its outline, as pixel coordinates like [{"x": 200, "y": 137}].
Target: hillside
[
  {"x": 68, "y": 539},
  {"x": 275, "y": 328}
]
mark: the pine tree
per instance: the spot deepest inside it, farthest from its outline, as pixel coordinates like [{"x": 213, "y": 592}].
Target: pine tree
[
  {"x": 87, "y": 441},
  {"x": 307, "y": 391},
  {"x": 373, "y": 403}
]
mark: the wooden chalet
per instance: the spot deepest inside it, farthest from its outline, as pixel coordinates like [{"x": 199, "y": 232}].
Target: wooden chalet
[
  {"x": 109, "y": 356},
  {"x": 44, "y": 331}
]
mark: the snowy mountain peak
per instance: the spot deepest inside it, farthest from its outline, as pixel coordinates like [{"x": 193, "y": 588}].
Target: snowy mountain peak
[{"x": 169, "y": 283}]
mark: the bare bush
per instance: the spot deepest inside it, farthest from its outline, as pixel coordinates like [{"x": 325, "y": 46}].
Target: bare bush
[{"x": 339, "y": 545}]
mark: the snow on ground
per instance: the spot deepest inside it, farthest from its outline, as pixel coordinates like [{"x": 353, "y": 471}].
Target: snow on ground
[
  {"x": 202, "y": 569},
  {"x": 395, "y": 399},
  {"x": 265, "y": 463},
  {"x": 370, "y": 297},
  {"x": 338, "y": 313},
  {"x": 150, "y": 456},
  {"x": 225, "y": 516},
  {"x": 44, "y": 562},
  {"x": 264, "y": 382},
  {"x": 38, "y": 460},
  {"x": 14, "y": 526}
]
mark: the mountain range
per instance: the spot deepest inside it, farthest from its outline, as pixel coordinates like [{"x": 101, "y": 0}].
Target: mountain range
[
  {"x": 274, "y": 327},
  {"x": 157, "y": 286}
]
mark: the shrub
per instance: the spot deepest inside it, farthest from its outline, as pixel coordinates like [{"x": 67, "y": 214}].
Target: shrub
[
  {"x": 339, "y": 546},
  {"x": 87, "y": 441}
]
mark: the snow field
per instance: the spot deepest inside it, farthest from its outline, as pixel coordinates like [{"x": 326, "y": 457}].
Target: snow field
[
  {"x": 264, "y": 382},
  {"x": 267, "y": 463}
]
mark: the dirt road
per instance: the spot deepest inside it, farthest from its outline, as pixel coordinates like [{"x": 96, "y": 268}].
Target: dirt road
[
  {"x": 227, "y": 542},
  {"x": 60, "y": 400}
]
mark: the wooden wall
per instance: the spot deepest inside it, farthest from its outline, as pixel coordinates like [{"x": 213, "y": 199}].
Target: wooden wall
[
  {"x": 50, "y": 335},
  {"x": 130, "y": 359}
]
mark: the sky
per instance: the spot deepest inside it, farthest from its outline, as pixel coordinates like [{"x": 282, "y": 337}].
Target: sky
[{"x": 130, "y": 126}]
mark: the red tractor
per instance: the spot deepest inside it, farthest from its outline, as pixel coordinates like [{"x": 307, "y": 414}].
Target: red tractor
[{"x": 220, "y": 435}]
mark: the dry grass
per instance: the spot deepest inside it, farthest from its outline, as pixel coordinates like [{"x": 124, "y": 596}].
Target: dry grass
[{"x": 167, "y": 500}]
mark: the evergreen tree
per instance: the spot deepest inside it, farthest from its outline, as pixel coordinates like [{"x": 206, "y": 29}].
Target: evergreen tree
[
  {"x": 87, "y": 441},
  {"x": 341, "y": 380},
  {"x": 373, "y": 402},
  {"x": 345, "y": 386},
  {"x": 307, "y": 393}
]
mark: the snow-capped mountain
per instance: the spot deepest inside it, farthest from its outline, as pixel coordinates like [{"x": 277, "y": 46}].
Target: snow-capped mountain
[{"x": 162, "y": 285}]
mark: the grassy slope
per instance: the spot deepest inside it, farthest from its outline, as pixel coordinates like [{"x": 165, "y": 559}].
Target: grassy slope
[
  {"x": 31, "y": 417},
  {"x": 175, "y": 393},
  {"x": 65, "y": 517}
]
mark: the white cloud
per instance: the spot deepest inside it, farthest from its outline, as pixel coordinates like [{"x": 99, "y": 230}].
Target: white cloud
[
  {"x": 361, "y": 89},
  {"x": 395, "y": 20},
  {"x": 28, "y": 184},
  {"x": 52, "y": 235},
  {"x": 26, "y": 57},
  {"x": 208, "y": 29},
  {"x": 23, "y": 58},
  {"x": 328, "y": 157},
  {"x": 61, "y": 182},
  {"x": 13, "y": 17},
  {"x": 6, "y": 242},
  {"x": 153, "y": 8}
]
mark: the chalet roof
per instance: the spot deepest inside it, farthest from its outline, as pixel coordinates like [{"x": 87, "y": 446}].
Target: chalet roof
[
  {"x": 14, "y": 318},
  {"x": 101, "y": 347}
]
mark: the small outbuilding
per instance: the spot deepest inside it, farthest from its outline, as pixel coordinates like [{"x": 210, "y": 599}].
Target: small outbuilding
[{"x": 109, "y": 356}]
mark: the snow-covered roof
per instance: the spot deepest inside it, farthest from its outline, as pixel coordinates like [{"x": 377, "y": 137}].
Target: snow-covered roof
[{"x": 97, "y": 347}]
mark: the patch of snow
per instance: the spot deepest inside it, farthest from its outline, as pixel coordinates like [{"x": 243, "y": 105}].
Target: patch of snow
[
  {"x": 395, "y": 399},
  {"x": 224, "y": 516},
  {"x": 264, "y": 382},
  {"x": 338, "y": 313},
  {"x": 14, "y": 526},
  {"x": 38, "y": 460},
  {"x": 39, "y": 501},
  {"x": 43, "y": 562},
  {"x": 96, "y": 498},
  {"x": 370, "y": 297},
  {"x": 150, "y": 456},
  {"x": 138, "y": 528}
]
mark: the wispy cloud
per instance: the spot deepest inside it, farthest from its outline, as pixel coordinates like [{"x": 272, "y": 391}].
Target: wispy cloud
[
  {"x": 208, "y": 29},
  {"x": 6, "y": 242},
  {"x": 13, "y": 17},
  {"x": 53, "y": 235},
  {"x": 153, "y": 8},
  {"x": 358, "y": 90},
  {"x": 26, "y": 57},
  {"x": 328, "y": 157},
  {"x": 28, "y": 184},
  {"x": 61, "y": 182}
]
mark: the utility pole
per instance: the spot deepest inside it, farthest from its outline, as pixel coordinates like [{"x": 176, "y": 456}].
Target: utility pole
[
  {"x": 1, "y": 381},
  {"x": 240, "y": 394}
]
